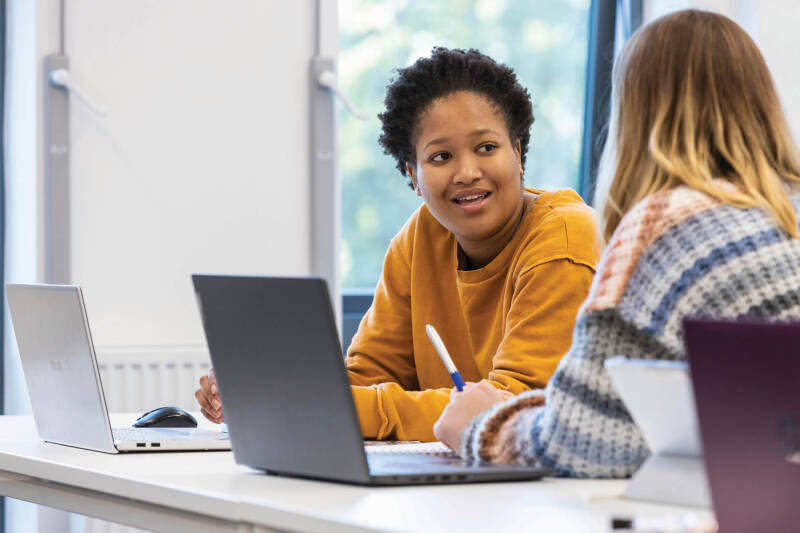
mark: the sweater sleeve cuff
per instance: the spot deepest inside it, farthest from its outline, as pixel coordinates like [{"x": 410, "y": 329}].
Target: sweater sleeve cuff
[
  {"x": 470, "y": 438},
  {"x": 366, "y": 400},
  {"x": 479, "y": 439}
]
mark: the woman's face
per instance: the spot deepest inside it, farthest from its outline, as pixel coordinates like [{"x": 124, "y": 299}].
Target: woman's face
[{"x": 468, "y": 170}]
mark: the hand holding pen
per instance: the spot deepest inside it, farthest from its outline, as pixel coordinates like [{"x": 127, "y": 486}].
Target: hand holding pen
[{"x": 470, "y": 400}]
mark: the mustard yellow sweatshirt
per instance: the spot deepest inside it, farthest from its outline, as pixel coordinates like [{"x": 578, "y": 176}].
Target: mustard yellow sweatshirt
[{"x": 509, "y": 322}]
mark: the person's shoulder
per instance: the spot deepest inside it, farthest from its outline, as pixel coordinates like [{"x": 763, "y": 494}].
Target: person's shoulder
[
  {"x": 562, "y": 226},
  {"x": 645, "y": 229},
  {"x": 563, "y": 205},
  {"x": 565, "y": 200},
  {"x": 421, "y": 226},
  {"x": 660, "y": 213}
]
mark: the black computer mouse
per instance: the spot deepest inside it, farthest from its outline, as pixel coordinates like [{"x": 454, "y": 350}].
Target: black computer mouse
[{"x": 166, "y": 417}]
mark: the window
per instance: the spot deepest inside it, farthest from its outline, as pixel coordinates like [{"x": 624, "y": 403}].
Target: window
[{"x": 546, "y": 44}]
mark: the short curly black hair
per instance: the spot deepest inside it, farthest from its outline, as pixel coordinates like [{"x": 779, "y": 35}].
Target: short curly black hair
[{"x": 414, "y": 88}]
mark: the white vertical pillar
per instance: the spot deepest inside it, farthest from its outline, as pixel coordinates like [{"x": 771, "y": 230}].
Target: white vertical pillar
[
  {"x": 33, "y": 32},
  {"x": 325, "y": 187}
]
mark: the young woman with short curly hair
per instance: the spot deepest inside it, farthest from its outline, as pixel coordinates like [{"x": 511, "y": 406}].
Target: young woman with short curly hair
[{"x": 499, "y": 269}]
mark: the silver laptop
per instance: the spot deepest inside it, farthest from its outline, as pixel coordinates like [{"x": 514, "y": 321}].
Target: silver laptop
[
  {"x": 60, "y": 367},
  {"x": 659, "y": 397}
]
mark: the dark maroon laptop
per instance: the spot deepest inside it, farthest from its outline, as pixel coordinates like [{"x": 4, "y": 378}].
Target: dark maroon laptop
[{"x": 746, "y": 378}]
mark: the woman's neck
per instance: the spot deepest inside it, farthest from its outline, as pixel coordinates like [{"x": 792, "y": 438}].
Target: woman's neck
[{"x": 478, "y": 254}]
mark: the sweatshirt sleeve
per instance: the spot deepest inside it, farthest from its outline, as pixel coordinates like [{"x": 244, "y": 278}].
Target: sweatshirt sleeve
[
  {"x": 537, "y": 333},
  {"x": 579, "y": 426},
  {"x": 381, "y": 356},
  {"x": 539, "y": 324}
]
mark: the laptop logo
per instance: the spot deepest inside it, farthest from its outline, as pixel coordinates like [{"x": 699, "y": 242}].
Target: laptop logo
[
  {"x": 56, "y": 365},
  {"x": 789, "y": 431}
]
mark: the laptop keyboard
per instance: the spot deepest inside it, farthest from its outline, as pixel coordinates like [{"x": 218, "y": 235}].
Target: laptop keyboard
[{"x": 164, "y": 434}]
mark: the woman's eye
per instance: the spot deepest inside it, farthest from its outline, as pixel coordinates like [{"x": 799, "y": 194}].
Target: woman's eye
[
  {"x": 487, "y": 147},
  {"x": 441, "y": 156}
]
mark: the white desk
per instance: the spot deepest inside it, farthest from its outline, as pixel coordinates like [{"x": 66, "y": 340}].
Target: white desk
[{"x": 207, "y": 491}]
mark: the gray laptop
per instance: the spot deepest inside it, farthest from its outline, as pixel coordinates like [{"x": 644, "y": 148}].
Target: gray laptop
[
  {"x": 60, "y": 367},
  {"x": 285, "y": 393}
]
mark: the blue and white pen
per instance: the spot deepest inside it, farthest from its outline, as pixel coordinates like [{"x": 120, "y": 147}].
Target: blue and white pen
[{"x": 436, "y": 340}]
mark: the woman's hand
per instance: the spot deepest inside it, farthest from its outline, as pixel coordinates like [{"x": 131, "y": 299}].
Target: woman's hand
[
  {"x": 208, "y": 398},
  {"x": 463, "y": 407}
]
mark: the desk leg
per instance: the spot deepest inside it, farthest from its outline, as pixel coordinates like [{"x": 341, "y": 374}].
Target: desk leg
[{"x": 53, "y": 520}]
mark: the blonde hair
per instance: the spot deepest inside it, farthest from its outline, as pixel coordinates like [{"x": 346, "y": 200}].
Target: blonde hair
[{"x": 693, "y": 100}]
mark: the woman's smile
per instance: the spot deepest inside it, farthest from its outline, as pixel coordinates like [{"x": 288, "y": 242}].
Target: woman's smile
[{"x": 471, "y": 200}]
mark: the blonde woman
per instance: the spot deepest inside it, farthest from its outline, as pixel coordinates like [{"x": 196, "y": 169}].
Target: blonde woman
[{"x": 700, "y": 219}]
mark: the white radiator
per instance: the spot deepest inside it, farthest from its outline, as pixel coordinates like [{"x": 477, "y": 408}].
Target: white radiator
[{"x": 137, "y": 379}]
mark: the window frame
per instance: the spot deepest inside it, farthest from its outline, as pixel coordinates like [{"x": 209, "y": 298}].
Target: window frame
[
  {"x": 2, "y": 224},
  {"x": 607, "y": 19}
]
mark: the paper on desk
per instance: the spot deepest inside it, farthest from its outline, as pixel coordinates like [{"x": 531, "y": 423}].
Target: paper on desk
[{"x": 402, "y": 448}]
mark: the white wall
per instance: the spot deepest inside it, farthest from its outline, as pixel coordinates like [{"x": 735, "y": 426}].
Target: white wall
[
  {"x": 779, "y": 40},
  {"x": 201, "y": 164}
]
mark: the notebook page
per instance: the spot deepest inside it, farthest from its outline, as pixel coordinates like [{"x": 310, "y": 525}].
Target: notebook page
[{"x": 403, "y": 448}]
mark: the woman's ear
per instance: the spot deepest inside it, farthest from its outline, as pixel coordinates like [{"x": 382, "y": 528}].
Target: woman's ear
[
  {"x": 518, "y": 152},
  {"x": 410, "y": 171}
]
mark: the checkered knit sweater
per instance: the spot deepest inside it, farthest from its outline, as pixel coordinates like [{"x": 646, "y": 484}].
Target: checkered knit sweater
[{"x": 676, "y": 253}]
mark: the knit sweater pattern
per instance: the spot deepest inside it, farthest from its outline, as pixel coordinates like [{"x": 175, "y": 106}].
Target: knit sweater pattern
[{"x": 677, "y": 253}]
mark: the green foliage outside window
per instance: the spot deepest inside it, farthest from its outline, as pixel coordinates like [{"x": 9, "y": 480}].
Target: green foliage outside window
[{"x": 544, "y": 41}]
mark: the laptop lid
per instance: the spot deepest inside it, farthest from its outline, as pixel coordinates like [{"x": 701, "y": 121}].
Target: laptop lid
[
  {"x": 275, "y": 340},
  {"x": 746, "y": 378},
  {"x": 58, "y": 361},
  {"x": 659, "y": 397}
]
